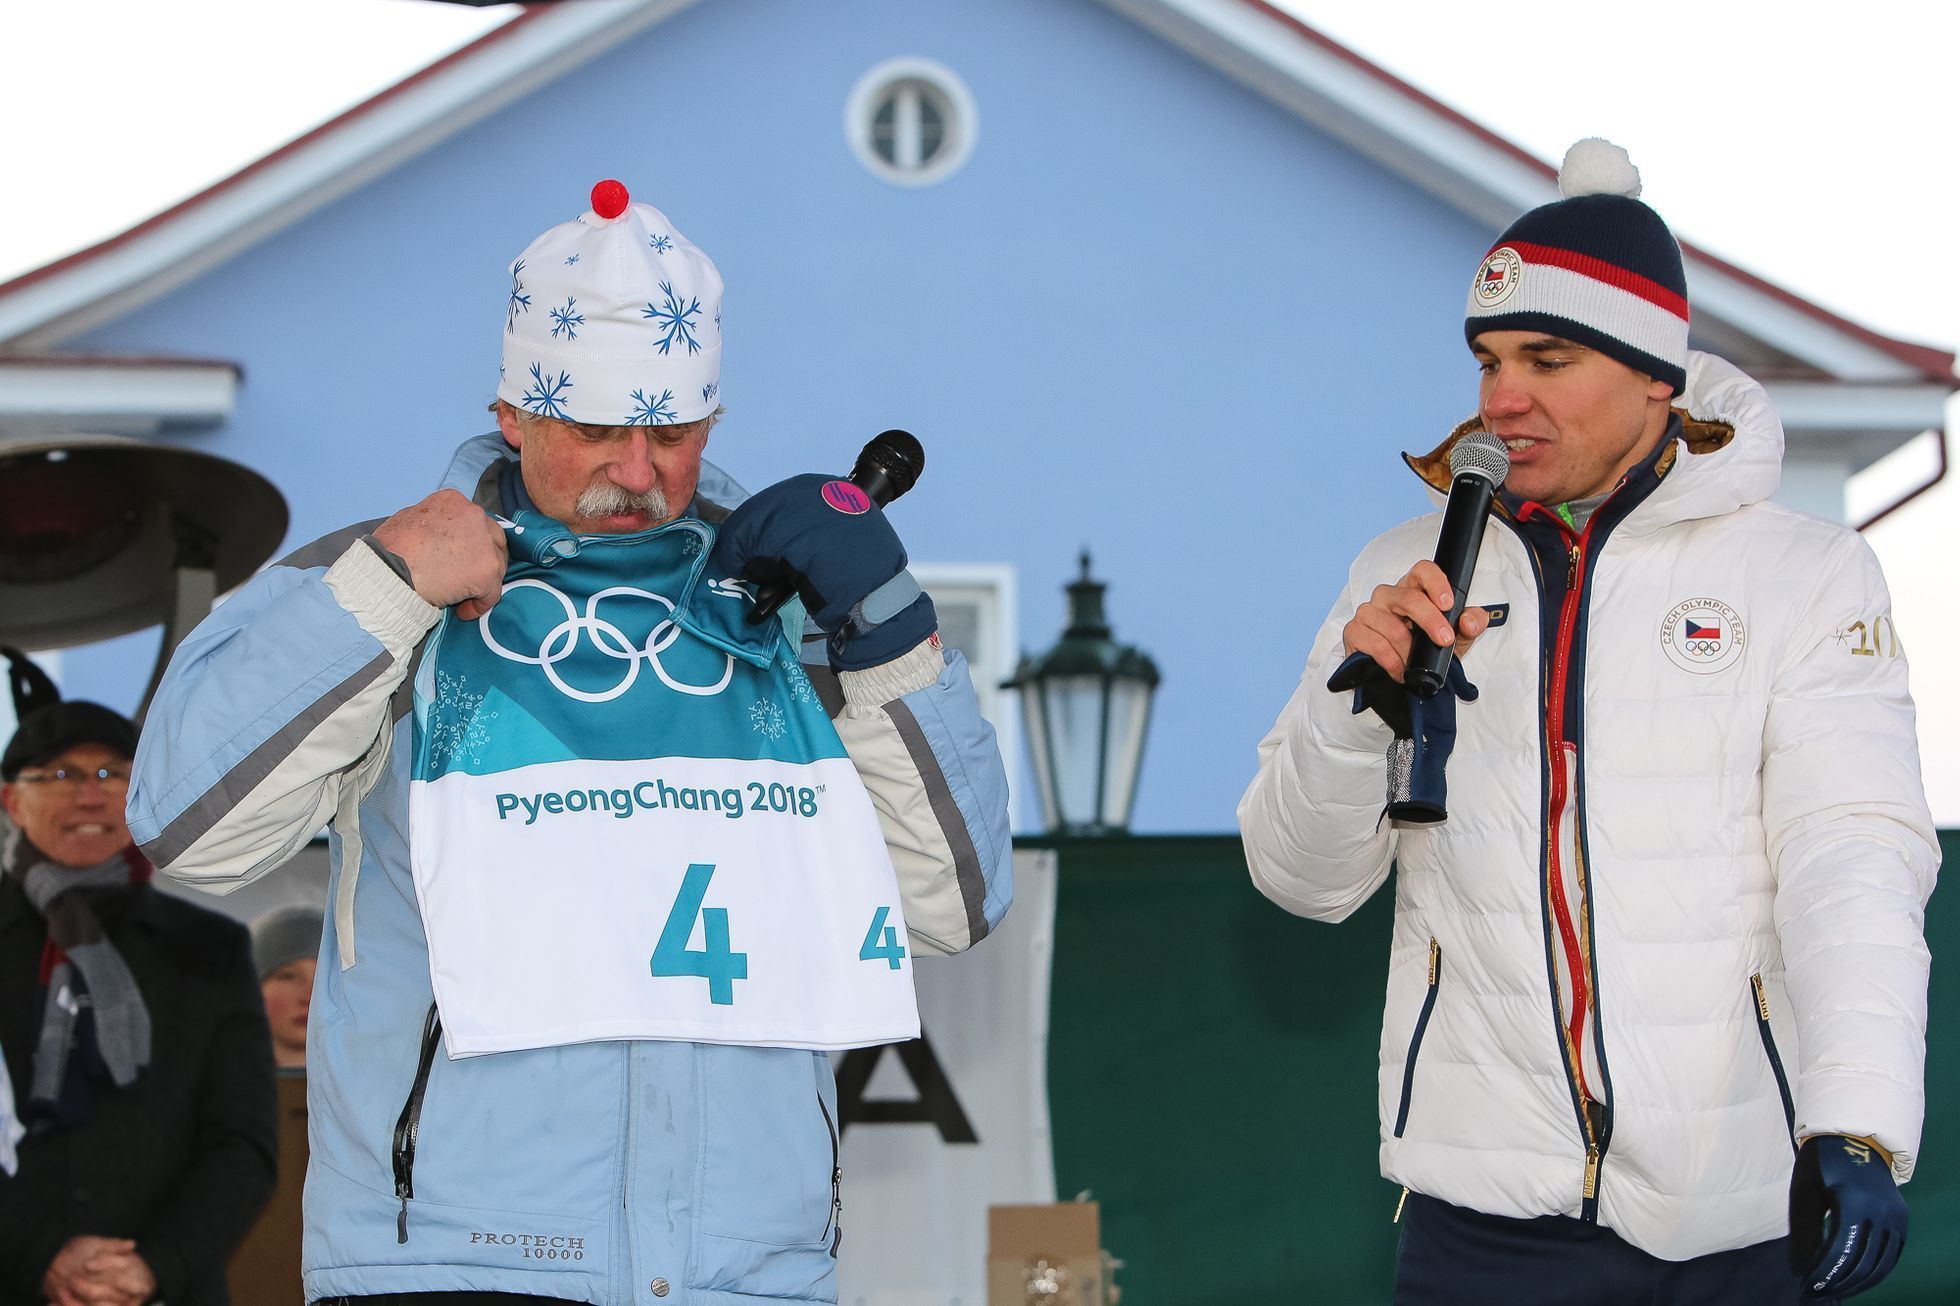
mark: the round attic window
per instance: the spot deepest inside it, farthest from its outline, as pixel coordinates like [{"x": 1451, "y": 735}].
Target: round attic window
[{"x": 911, "y": 121}]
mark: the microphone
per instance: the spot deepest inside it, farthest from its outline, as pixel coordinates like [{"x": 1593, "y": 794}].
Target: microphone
[
  {"x": 887, "y": 466},
  {"x": 1479, "y": 462}
]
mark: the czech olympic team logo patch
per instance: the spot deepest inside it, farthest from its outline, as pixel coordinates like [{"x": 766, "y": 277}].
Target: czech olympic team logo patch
[
  {"x": 1498, "y": 277},
  {"x": 846, "y": 498},
  {"x": 1703, "y": 636}
]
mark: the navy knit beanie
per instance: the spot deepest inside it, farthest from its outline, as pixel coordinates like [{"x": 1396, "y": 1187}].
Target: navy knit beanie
[{"x": 1598, "y": 268}]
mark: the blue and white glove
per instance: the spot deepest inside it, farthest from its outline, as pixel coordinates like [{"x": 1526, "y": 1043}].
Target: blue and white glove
[
  {"x": 824, "y": 538},
  {"x": 1847, "y": 1217},
  {"x": 1424, "y": 730}
]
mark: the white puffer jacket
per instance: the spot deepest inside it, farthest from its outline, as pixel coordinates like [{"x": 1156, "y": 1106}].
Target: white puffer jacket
[{"x": 1746, "y": 836}]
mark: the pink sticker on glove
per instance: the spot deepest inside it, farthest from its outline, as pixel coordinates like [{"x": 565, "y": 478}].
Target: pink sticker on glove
[{"x": 846, "y": 498}]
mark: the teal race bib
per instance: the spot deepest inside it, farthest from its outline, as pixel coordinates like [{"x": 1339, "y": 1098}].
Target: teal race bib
[{"x": 631, "y": 818}]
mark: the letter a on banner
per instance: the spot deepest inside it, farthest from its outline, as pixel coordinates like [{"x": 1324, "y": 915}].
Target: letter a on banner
[{"x": 936, "y": 1105}]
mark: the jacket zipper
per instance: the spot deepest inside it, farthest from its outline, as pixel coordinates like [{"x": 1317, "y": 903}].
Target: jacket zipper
[
  {"x": 1555, "y": 746},
  {"x": 1775, "y": 1061},
  {"x": 836, "y": 1220},
  {"x": 623, "y": 1220},
  {"x": 1599, "y": 1131},
  {"x": 1574, "y": 939},
  {"x": 409, "y": 1125},
  {"x": 1415, "y": 1040}
]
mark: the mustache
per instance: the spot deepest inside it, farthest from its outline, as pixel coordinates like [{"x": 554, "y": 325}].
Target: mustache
[{"x": 608, "y": 500}]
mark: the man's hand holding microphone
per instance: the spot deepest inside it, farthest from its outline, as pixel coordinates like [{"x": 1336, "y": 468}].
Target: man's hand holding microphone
[
  {"x": 1385, "y": 626},
  {"x": 1413, "y": 682}
]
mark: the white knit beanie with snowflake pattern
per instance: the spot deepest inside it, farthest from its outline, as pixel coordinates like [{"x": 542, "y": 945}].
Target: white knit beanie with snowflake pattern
[{"x": 614, "y": 319}]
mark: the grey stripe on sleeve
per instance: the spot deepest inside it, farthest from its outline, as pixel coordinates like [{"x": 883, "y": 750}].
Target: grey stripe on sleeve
[
  {"x": 402, "y": 701},
  {"x": 326, "y": 550},
  {"x": 966, "y": 861},
  {"x": 195, "y": 821}
]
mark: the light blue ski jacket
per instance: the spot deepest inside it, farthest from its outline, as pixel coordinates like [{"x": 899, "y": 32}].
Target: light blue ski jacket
[{"x": 615, "y": 1172}]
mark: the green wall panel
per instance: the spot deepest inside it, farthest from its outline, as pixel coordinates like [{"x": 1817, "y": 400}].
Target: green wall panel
[{"x": 1212, "y": 1069}]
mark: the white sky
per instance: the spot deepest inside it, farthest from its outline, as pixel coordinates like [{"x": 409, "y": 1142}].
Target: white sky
[{"x": 1808, "y": 142}]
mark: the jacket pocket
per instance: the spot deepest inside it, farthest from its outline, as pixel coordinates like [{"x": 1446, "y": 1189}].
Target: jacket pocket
[
  {"x": 1415, "y": 1039},
  {"x": 768, "y": 1145},
  {"x": 767, "y": 1185},
  {"x": 1761, "y": 996}
]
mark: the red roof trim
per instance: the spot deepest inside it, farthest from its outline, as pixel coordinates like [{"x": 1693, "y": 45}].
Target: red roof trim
[
  {"x": 297, "y": 144},
  {"x": 1396, "y": 84},
  {"x": 1936, "y": 364}
]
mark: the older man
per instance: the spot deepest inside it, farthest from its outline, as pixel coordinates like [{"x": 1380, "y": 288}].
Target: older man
[
  {"x": 1657, "y": 993},
  {"x": 133, "y": 1034},
  {"x": 599, "y": 836}
]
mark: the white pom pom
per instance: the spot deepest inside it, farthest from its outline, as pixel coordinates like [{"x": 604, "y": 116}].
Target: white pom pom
[{"x": 1597, "y": 167}]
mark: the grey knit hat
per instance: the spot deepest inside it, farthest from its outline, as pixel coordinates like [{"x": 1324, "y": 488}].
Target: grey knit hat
[{"x": 285, "y": 934}]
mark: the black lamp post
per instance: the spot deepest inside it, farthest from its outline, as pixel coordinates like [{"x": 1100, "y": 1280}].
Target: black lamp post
[{"x": 1086, "y": 702}]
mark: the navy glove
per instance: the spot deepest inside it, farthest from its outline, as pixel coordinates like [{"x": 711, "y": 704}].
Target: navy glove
[
  {"x": 824, "y": 538},
  {"x": 1424, "y": 728},
  {"x": 1847, "y": 1217}
]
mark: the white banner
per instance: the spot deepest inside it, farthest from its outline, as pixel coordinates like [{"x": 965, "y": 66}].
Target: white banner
[
  {"x": 915, "y": 1200},
  {"x": 710, "y": 899}
]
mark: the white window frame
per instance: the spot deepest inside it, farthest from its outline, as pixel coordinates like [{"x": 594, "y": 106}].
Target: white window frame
[
  {"x": 990, "y": 588},
  {"x": 962, "y": 119}
]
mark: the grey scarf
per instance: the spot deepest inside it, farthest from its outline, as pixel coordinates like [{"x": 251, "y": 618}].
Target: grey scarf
[{"x": 122, "y": 1021}]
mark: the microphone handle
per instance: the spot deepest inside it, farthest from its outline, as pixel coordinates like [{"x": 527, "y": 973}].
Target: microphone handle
[
  {"x": 1456, "y": 553},
  {"x": 877, "y": 487}
]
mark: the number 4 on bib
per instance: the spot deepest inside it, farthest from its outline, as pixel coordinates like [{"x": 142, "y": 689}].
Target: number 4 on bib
[
  {"x": 713, "y": 961},
  {"x": 881, "y": 941}
]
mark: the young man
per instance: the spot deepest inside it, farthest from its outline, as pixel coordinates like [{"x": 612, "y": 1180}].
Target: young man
[
  {"x": 1668, "y": 939},
  {"x": 285, "y": 948},
  {"x": 133, "y": 1034},
  {"x": 597, "y": 835}
]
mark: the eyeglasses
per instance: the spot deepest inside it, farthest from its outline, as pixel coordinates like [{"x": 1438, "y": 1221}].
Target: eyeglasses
[{"x": 109, "y": 777}]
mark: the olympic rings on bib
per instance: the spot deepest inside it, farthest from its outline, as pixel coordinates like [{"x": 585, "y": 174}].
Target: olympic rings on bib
[{"x": 562, "y": 640}]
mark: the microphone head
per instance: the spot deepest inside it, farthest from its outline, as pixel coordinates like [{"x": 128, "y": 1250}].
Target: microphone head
[
  {"x": 1479, "y": 453},
  {"x": 895, "y": 455}
]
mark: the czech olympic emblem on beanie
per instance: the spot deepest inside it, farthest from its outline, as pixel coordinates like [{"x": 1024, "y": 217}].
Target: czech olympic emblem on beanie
[
  {"x": 613, "y": 319},
  {"x": 1497, "y": 278},
  {"x": 1597, "y": 267},
  {"x": 1703, "y": 636}
]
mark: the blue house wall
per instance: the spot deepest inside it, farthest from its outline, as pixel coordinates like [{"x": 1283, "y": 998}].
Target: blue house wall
[{"x": 1153, "y": 314}]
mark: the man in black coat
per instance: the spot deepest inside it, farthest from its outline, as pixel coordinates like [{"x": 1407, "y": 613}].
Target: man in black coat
[{"x": 134, "y": 1037}]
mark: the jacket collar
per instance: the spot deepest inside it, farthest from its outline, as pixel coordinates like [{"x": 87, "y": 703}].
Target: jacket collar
[
  {"x": 1729, "y": 453},
  {"x": 146, "y": 907}
]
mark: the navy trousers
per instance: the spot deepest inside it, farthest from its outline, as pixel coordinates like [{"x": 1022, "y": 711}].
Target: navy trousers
[{"x": 1449, "y": 1256}]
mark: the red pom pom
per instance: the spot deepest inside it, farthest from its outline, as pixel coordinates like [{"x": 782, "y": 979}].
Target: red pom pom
[{"x": 609, "y": 198}]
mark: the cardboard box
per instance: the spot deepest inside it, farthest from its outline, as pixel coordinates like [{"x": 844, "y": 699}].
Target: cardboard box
[{"x": 1047, "y": 1255}]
